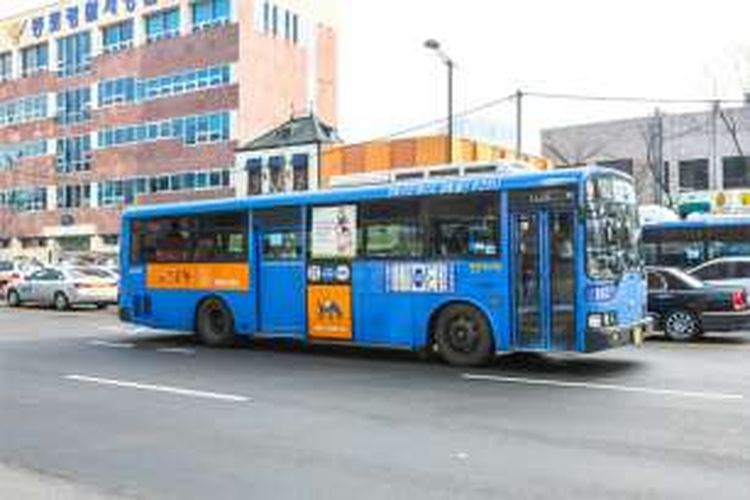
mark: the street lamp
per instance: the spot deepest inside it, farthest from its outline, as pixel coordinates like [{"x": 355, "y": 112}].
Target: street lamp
[{"x": 434, "y": 45}]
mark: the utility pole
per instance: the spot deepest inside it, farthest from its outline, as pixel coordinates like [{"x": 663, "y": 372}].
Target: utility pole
[
  {"x": 449, "y": 62},
  {"x": 661, "y": 188},
  {"x": 519, "y": 124},
  {"x": 714, "y": 179}
]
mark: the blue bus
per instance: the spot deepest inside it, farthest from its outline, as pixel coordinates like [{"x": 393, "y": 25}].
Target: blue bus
[
  {"x": 465, "y": 267},
  {"x": 689, "y": 243}
]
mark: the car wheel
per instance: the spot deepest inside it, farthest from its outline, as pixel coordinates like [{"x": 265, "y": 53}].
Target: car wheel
[
  {"x": 463, "y": 336},
  {"x": 682, "y": 325},
  {"x": 214, "y": 324},
  {"x": 14, "y": 299},
  {"x": 61, "y": 302}
]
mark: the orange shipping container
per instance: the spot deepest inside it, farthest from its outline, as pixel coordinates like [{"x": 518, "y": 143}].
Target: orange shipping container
[
  {"x": 431, "y": 150},
  {"x": 377, "y": 156}
]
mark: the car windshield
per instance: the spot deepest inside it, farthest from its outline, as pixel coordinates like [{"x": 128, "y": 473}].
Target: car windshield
[{"x": 612, "y": 228}]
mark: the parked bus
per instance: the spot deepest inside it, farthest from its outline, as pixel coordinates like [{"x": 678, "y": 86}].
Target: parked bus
[
  {"x": 689, "y": 243},
  {"x": 466, "y": 266}
]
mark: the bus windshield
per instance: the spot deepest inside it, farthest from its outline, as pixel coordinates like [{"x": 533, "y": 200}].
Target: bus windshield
[{"x": 612, "y": 228}]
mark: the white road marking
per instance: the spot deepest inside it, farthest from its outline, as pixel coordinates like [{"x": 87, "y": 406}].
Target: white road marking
[
  {"x": 132, "y": 330},
  {"x": 177, "y": 350},
  {"x": 159, "y": 388},
  {"x": 602, "y": 387},
  {"x": 115, "y": 345}
]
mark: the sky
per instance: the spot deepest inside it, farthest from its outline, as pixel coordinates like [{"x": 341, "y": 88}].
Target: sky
[{"x": 389, "y": 82}]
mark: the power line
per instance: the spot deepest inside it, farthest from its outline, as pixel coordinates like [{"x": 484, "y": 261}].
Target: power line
[
  {"x": 440, "y": 121},
  {"x": 644, "y": 100}
]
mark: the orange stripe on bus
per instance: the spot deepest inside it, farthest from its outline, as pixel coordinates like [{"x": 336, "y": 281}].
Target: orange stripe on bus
[{"x": 225, "y": 277}]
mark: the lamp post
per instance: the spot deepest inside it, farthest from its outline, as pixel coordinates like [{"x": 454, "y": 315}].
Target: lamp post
[{"x": 434, "y": 45}]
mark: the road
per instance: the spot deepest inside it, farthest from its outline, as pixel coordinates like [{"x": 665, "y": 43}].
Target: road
[{"x": 90, "y": 408}]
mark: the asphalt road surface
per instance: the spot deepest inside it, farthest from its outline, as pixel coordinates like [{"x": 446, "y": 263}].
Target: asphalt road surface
[{"x": 90, "y": 408}]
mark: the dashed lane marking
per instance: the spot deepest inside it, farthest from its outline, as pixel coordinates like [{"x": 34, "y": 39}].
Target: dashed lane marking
[
  {"x": 602, "y": 387},
  {"x": 124, "y": 384},
  {"x": 114, "y": 345},
  {"x": 187, "y": 351}
]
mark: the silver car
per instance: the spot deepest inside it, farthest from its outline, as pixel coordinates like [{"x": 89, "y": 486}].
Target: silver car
[{"x": 65, "y": 287}]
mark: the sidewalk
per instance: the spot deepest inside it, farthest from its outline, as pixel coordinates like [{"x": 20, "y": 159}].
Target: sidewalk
[{"x": 20, "y": 484}]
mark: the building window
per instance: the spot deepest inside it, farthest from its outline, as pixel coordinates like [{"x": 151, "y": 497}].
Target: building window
[
  {"x": 165, "y": 24},
  {"x": 125, "y": 191},
  {"x": 736, "y": 172},
  {"x": 23, "y": 110},
  {"x": 181, "y": 83},
  {"x": 34, "y": 59},
  {"x": 209, "y": 13},
  {"x": 276, "y": 174},
  {"x": 694, "y": 175},
  {"x": 75, "y": 196},
  {"x": 25, "y": 199},
  {"x": 254, "y": 169},
  {"x": 74, "y": 154},
  {"x": 6, "y": 66},
  {"x": 117, "y": 91},
  {"x": 33, "y": 242},
  {"x": 275, "y": 20},
  {"x": 74, "y": 54},
  {"x": 110, "y": 239},
  {"x": 191, "y": 130},
  {"x": 300, "y": 169},
  {"x": 74, "y": 106},
  {"x": 11, "y": 154},
  {"x": 117, "y": 37}
]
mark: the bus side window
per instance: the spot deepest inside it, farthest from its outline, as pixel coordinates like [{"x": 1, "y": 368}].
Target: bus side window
[
  {"x": 391, "y": 229},
  {"x": 730, "y": 241},
  {"x": 282, "y": 245},
  {"x": 682, "y": 247},
  {"x": 464, "y": 225}
]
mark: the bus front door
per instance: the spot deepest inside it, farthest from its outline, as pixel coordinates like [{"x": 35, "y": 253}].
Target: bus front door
[
  {"x": 280, "y": 278},
  {"x": 543, "y": 279}
]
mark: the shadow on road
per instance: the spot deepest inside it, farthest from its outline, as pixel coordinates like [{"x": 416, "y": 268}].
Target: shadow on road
[
  {"x": 708, "y": 339},
  {"x": 516, "y": 364},
  {"x": 578, "y": 365}
]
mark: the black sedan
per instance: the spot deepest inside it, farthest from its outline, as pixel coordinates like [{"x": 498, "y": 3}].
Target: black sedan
[{"x": 685, "y": 307}]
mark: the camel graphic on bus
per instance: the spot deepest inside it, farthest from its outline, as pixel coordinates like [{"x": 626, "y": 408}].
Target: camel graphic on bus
[{"x": 329, "y": 309}]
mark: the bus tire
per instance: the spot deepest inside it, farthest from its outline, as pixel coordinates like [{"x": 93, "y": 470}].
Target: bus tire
[
  {"x": 682, "y": 325},
  {"x": 214, "y": 323},
  {"x": 463, "y": 336}
]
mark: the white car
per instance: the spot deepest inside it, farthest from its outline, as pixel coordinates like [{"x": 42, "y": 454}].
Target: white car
[
  {"x": 731, "y": 271},
  {"x": 64, "y": 287}
]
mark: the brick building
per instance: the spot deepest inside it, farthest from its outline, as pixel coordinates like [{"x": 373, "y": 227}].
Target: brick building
[{"x": 105, "y": 103}]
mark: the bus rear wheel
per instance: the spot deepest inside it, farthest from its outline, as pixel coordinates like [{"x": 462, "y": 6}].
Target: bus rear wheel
[
  {"x": 463, "y": 336},
  {"x": 214, "y": 324}
]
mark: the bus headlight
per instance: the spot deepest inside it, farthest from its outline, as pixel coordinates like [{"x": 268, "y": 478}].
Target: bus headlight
[{"x": 601, "y": 320}]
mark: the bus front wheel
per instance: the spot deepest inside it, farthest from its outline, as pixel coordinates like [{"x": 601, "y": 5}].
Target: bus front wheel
[
  {"x": 214, "y": 324},
  {"x": 463, "y": 336}
]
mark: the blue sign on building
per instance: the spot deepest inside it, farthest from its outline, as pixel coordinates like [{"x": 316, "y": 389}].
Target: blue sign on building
[{"x": 92, "y": 10}]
